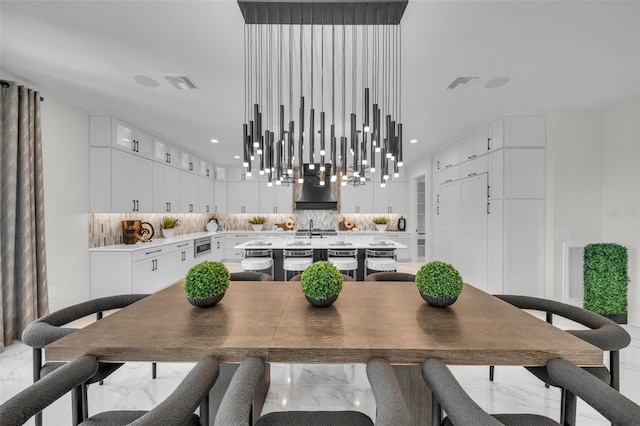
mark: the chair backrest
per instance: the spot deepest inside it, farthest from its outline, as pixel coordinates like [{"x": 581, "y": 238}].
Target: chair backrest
[
  {"x": 250, "y": 276},
  {"x": 297, "y": 253},
  {"x": 391, "y": 408},
  {"x": 342, "y": 252},
  {"x": 48, "y": 328},
  {"x": 603, "y": 333},
  {"x": 178, "y": 407},
  {"x": 381, "y": 253},
  {"x": 298, "y": 277},
  {"x": 41, "y": 394},
  {"x": 460, "y": 408},
  {"x": 610, "y": 403},
  {"x": 247, "y": 253},
  {"x": 390, "y": 276},
  {"x": 235, "y": 407}
]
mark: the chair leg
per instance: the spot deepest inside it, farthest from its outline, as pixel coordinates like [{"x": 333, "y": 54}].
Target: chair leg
[
  {"x": 76, "y": 405},
  {"x": 614, "y": 368},
  {"x": 153, "y": 370},
  {"x": 492, "y": 370},
  {"x": 436, "y": 412},
  {"x": 37, "y": 365},
  {"x": 204, "y": 411},
  {"x": 570, "y": 402},
  {"x": 85, "y": 405}
]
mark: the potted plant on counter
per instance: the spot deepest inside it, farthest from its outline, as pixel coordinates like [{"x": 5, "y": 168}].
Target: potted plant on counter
[
  {"x": 439, "y": 283},
  {"x": 168, "y": 225},
  {"x": 321, "y": 283},
  {"x": 381, "y": 223},
  {"x": 257, "y": 222},
  {"x": 206, "y": 283}
]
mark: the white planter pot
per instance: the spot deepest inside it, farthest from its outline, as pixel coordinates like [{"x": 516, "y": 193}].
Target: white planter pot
[
  {"x": 257, "y": 227},
  {"x": 168, "y": 233},
  {"x": 381, "y": 228}
]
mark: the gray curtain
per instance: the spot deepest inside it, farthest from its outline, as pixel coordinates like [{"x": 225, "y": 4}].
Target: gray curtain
[{"x": 24, "y": 293}]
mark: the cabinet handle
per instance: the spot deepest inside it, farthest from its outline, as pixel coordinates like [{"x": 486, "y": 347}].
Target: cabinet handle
[
  {"x": 190, "y": 208},
  {"x": 448, "y": 180},
  {"x": 191, "y": 166},
  {"x": 448, "y": 165},
  {"x": 137, "y": 205},
  {"x": 183, "y": 245},
  {"x": 488, "y": 143},
  {"x": 207, "y": 209},
  {"x": 184, "y": 256},
  {"x": 437, "y": 210},
  {"x": 471, "y": 156},
  {"x": 152, "y": 251},
  {"x": 437, "y": 198},
  {"x": 438, "y": 166},
  {"x": 472, "y": 174},
  {"x": 134, "y": 206},
  {"x": 488, "y": 192},
  {"x": 218, "y": 246},
  {"x": 488, "y": 209},
  {"x": 207, "y": 172}
]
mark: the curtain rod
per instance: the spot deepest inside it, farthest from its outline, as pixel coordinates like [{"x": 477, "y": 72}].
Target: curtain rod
[{"x": 5, "y": 84}]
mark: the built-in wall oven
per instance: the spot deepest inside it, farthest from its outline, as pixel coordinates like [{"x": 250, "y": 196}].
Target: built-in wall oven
[{"x": 201, "y": 247}]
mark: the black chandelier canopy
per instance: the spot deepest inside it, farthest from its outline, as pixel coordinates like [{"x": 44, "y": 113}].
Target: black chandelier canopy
[{"x": 321, "y": 53}]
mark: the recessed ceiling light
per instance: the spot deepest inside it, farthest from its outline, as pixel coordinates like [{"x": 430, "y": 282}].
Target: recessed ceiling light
[
  {"x": 496, "y": 82},
  {"x": 413, "y": 141},
  {"x": 236, "y": 157},
  {"x": 146, "y": 81},
  {"x": 214, "y": 140}
]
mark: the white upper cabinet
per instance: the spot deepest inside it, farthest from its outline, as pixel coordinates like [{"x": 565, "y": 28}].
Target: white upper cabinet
[
  {"x": 205, "y": 169},
  {"x": 496, "y": 134},
  {"x": 205, "y": 202},
  {"x": 220, "y": 172},
  {"x": 166, "y": 187},
  {"x": 111, "y": 132},
  {"x": 243, "y": 197},
  {"x": 525, "y": 131},
  {"x": 189, "y": 192},
  {"x": 448, "y": 157},
  {"x": 240, "y": 174},
  {"x": 131, "y": 178},
  {"x": 187, "y": 161},
  {"x": 276, "y": 198},
  {"x": 166, "y": 153},
  {"x": 356, "y": 199},
  {"x": 220, "y": 196},
  {"x": 475, "y": 144}
]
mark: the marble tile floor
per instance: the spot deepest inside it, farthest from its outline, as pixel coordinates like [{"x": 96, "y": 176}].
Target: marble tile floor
[{"x": 318, "y": 386}]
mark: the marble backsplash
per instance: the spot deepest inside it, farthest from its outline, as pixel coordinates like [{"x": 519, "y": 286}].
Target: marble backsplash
[{"x": 106, "y": 228}]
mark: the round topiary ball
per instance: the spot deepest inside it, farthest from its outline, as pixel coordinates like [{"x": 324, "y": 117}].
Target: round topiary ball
[
  {"x": 206, "y": 279},
  {"x": 439, "y": 279},
  {"x": 321, "y": 280}
]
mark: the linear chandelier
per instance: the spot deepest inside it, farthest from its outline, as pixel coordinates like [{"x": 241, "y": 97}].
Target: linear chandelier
[{"x": 323, "y": 54}]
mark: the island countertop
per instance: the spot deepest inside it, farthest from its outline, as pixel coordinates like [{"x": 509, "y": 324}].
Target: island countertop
[{"x": 327, "y": 242}]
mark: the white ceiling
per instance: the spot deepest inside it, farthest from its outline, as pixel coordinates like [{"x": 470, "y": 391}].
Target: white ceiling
[{"x": 558, "y": 54}]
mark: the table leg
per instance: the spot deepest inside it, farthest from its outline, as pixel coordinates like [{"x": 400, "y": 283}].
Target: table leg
[
  {"x": 416, "y": 393},
  {"x": 222, "y": 383}
]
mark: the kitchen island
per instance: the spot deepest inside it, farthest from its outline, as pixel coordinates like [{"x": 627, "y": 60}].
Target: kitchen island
[{"x": 320, "y": 246}]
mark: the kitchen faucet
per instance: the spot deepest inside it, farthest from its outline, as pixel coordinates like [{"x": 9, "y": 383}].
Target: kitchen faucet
[{"x": 310, "y": 226}]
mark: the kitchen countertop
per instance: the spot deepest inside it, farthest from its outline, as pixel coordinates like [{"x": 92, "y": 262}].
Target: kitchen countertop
[
  {"x": 352, "y": 241},
  {"x": 350, "y": 236}
]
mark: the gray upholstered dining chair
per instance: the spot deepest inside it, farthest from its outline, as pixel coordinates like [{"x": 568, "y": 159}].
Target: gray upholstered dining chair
[
  {"x": 250, "y": 276},
  {"x": 601, "y": 332},
  {"x": 176, "y": 410},
  {"x": 49, "y": 328},
  {"x": 390, "y": 276},
  {"x": 461, "y": 410},
  {"x": 31, "y": 401},
  {"x": 236, "y": 405}
]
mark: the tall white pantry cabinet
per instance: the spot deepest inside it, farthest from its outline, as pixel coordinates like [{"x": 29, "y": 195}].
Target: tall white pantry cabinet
[{"x": 489, "y": 206}]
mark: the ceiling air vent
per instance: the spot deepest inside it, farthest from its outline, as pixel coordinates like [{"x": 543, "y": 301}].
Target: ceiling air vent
[
  {"x": 461, "y": 80},
  {"x": 181, "y": 82}
]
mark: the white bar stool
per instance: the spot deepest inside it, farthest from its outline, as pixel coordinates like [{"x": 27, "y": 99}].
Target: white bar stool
[
  {"x": 257, "y": 260},
  {"x": 296, "y": 261},
  {"x": 344, "y": 260},
  {"x": 380, "y": 261}
]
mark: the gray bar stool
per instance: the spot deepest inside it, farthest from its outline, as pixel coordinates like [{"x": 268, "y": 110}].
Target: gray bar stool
[{"x": 344, "y": 260}]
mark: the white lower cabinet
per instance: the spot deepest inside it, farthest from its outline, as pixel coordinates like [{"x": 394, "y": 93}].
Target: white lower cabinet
[
  {"x": 217, "y": 248},
  {"x": 232, "y": 240},
  {"x": 151, "y": 274},
  {"x": 181, "y": 260}
]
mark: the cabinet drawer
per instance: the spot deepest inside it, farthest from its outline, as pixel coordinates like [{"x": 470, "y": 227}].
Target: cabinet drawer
[
  {"x": 230, "y": 254},
  {"x": 149, "y": 253},
  {"x": 181, "y": 246},
  {"x": 475, "y": 167},
  {"x": 448, "y": 175}
]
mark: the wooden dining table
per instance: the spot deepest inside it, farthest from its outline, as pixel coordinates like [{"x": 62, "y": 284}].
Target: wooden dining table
[{"x": 273, "y": 320}]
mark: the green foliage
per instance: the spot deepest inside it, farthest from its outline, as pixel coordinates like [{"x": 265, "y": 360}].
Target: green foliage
[
  {"x": 439, "y": 279},
  {"x": 605, "y": 278},
  {"x": 206, "y": 279},
  {"x": 321, "y": 280},
  {"x": 380, "y": 220},
  {"x": 169, "y": 222},
  {"x": 257, "y": 220}
]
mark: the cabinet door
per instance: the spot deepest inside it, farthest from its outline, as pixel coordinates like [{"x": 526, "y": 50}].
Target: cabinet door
[
  {"x": 205, "y": 198},
  {"x": 495, "y": 247},
  {"x": 348, "y": 199},
  {"x": 449, "y": 212},
  {"x": 525, "y": 131},
  {"x": 181, "y": 261},
  {"x": 123, "y": 136},
  {"x": 284, "y": 199},
  {"x": 495, "y": 189},
  {"x": 235, "y": 197},
  {"x": 151, "y": 275},
  {"x": 189, "y": 192},
  {"x": 397, "y": 197},
  {"x": 475, "y": 144},
  {"x": 144, "y": 143},
  {"x": 496, "y": 134},
  {"x": 251, "y": 196},
  {"x": 187, "y": 161},
  {"x": 450, "y": 156},
  {"x": 473, "y": 231},
  {"x": 524, "y": 171},
  {"x": 220, "y": 172},
  {"x": 166, "y": 153},
  {"x": 123, "y": 174},
  {"x": 160, "y": 202},
  {"x": 220, "y": 194},
  {"x": 381, "y": 198},
  {"x": 143, "y": 185},
  {"x": 235, "y": 173},
  {"x": 268, "y": 202}
]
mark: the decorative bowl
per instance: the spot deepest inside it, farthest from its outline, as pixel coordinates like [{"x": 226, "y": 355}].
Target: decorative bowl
[{"x": 206, "y": 301}]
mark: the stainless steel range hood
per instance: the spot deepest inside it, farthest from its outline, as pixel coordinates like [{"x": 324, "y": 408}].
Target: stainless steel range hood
[{"x": 314, "y": 196}]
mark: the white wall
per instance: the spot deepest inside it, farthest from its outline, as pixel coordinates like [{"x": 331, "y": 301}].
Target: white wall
[
  {"x": 65, "y": 139},
  {"x": 594, "y": 185}
]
